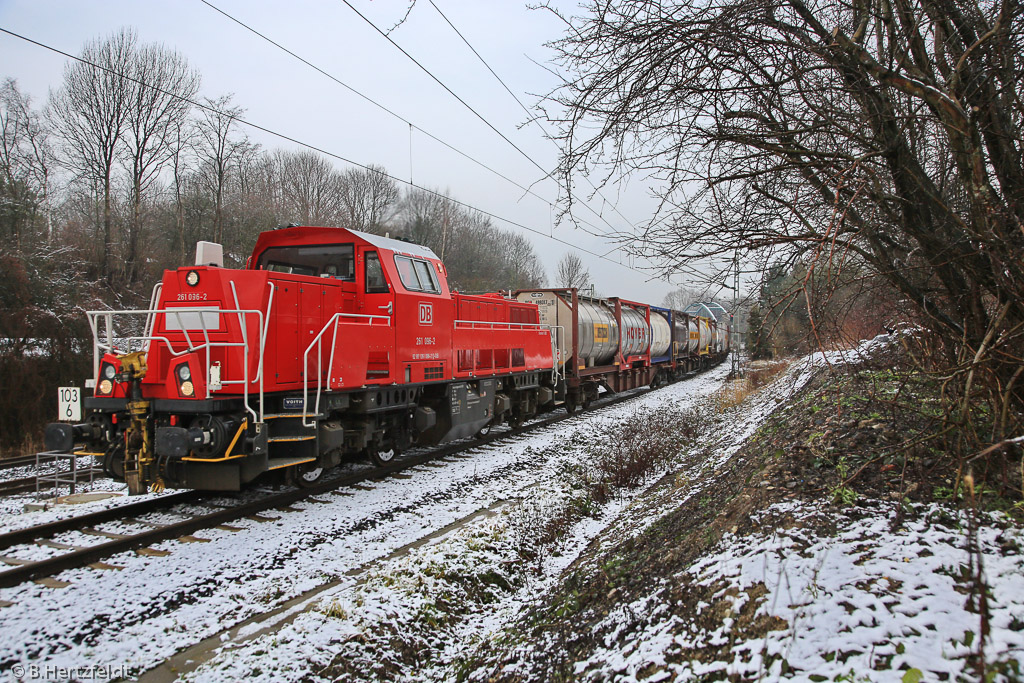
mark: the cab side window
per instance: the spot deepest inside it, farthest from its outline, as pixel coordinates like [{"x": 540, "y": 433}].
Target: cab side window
[
  {"x": 375, "y": 281},
  {"x": 417, "y": 275}
]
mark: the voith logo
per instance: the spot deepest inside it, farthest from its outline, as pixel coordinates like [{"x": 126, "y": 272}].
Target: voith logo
[{"x": 426, "y": 314}]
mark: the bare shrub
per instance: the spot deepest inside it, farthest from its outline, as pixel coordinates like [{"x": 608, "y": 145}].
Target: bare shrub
[
  {"x": 764, "y": 374},
  {"x": 615, "y": 457},
  {"x": 736, "y": 392}
]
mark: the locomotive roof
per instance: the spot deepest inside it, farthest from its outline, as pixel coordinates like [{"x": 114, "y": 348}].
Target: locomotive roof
[
  {"x": 311, "y": 234},
  {"x": 402, "y": 247}
]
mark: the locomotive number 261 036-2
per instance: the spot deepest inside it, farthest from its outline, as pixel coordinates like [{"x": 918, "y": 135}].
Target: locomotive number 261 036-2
[{"x": 192, "y": 296}]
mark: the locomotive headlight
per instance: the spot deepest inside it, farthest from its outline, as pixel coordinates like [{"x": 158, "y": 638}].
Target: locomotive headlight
[
  {"x": 192, "y": 279},
  {"x": 187, "y": 389},
  {"x": 108, "y": 371},
  {"x": 106, "y": 386},
  {"x": 184, "y": 373}
]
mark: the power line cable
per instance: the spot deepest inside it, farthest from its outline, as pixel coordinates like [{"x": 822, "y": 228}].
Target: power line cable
[
  {"x": 547, "y": 174},
  {"x": 530, "y": 117},
  {"x": 409, "y": 123},
  {"x": 268, "y": 131},
  {"x": 366, "y": 97}
]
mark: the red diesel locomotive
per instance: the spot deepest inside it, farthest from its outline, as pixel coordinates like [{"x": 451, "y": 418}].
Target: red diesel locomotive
[{"x": 333, "y": 342}]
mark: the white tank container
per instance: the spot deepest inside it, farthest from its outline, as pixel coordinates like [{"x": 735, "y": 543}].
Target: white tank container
[
  {"x": 694, "y": 337},
  {"x": 704, "y": 326},
  {"x": 661, "y": 335},
  {"x": 596, "y": 328}
]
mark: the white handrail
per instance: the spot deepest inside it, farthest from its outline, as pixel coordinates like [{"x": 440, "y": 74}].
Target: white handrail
[
  {"x": 500, "y": 324},
  {"x": 152, "y": 314},
  {"x": 266, "y": 331},
  {"x": 333, "y": 321},
  {"x": 245, "y": 354},
  {"x": 153, "y": 300}
]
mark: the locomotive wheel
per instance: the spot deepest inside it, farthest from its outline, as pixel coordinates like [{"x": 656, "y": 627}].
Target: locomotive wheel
[
  {"x": 113, "y": 462},
  {"x": 310, "y": 477},
  {"x": 382, "y": 455}
]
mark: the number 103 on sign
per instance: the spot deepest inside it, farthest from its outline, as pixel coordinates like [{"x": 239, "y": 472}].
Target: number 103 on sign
[{"x": 69, "y": 404}]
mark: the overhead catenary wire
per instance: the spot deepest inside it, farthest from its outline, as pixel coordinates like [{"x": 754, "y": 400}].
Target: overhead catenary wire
[
  {"x": 387, "y": 36},
  {"x": 413, "y": 126},
  {"x": 547, "y": 174},
  {"x": 530, "y": 116},
  {"x": 288, "y": 138},
  {"x": 367, "y": 98}
]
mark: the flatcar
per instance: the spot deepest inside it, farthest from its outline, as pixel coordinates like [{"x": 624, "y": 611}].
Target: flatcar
[{"x": 333, "y": 343}]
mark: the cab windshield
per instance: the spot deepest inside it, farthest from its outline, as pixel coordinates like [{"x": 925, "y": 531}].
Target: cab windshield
[{"x": 321, "y": 260}]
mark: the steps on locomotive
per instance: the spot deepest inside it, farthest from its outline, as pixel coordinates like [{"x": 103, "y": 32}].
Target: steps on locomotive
[
  {"x": 289, "y": 438},
  {"x": 279, "y": 463}
]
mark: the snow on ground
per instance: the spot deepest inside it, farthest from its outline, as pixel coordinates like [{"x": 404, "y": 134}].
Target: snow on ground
[
  {"x": 864, "y": 599},
  {"x": 841, "y": 605},
  {"x": 404, "y": 578},
  {"x": 477, "y": 568},
  {"x": 152, "y": 607}
]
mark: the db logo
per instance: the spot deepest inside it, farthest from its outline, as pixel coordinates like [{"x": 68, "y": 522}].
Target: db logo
[{"x": 426, "y": 314}]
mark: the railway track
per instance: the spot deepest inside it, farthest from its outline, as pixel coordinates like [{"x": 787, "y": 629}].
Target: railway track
[
  {"x": 18, "y": 461},
  {"x": 20, "y": 571},
  {"x": 13, "y": 486}
]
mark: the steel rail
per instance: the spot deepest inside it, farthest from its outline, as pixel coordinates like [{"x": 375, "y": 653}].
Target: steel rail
[
  {"x": 13, "y": 486},
  {"x": 50, "y": 529},
  {"x": 17, "y": 461}
]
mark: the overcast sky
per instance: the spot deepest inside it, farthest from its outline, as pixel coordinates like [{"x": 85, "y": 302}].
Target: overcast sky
[{"x": 282, "y": 94}]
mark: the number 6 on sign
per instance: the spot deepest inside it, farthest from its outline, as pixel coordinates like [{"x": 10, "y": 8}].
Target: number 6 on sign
[{"x": 69, "y": 404}]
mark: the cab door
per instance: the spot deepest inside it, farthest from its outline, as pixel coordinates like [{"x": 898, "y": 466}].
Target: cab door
[{"x": 375, "y": 296}]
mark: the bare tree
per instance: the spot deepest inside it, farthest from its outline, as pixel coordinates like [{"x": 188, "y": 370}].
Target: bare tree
[
  {"x": 160, "y": 85},
  {"x": 89, "y": 114},
  {"x": 367, "y": 197},
  {"x": 311, "y": 189},
  {"x": 418, "y": 216},
  {"x": 680, "y": 298},
  {"x": 181, "y": 141},
  {"x": 523, "y": 268},
  {"x": 219, "y": 151},
  {"x": 432, "y": 218},
  {"x": 25, "y": 165},
  {"x": 877, "y": 133},
  {"x": 572, "y": 273}
]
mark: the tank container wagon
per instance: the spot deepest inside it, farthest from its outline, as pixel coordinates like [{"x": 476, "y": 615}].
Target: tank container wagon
[{"x": 617, "y": 344}]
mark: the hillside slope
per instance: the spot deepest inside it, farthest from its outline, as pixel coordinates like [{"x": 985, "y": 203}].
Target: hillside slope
[{"x": 807, "y": 533}]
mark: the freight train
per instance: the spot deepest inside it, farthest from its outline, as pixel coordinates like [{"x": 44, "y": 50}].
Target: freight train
[{"x": 333, "y": 343}]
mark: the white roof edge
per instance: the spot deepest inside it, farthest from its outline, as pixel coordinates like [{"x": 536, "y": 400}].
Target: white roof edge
[{"x": 397, "y": 246}]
